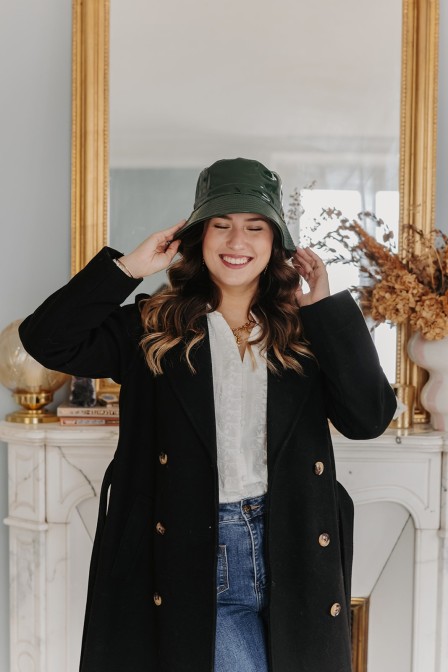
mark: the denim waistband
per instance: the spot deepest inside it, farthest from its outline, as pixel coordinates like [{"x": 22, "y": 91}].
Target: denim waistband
[{"x": 243, "y": 509}]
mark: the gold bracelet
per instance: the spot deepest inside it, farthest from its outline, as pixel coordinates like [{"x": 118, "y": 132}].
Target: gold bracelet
[{"x": 124, "y": 268}]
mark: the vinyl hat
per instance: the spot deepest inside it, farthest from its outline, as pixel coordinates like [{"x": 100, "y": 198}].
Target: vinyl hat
[{"x": 239, "y": 185}]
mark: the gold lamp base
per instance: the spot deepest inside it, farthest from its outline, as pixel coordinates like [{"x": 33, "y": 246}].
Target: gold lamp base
[
  {"x": 33, "y": 412},
  {"x": 406, "y": 395}
]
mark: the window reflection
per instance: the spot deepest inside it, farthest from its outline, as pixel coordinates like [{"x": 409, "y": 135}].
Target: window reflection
[{"x": 350, "y": 203}]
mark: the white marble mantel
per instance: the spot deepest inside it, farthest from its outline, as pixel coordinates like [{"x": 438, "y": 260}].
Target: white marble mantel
[{"x": 56, "y": 472}]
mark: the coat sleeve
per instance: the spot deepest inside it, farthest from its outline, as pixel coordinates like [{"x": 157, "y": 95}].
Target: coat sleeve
[
  {"x": 81, "y": 328},
  {"x": 360, "y": 401}
]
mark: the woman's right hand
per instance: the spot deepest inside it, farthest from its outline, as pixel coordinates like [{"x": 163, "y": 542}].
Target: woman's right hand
[{"x": 154, "y": 254}]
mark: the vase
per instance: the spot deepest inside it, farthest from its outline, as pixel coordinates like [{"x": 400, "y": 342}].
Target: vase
[{"x": 433, "y": 356}]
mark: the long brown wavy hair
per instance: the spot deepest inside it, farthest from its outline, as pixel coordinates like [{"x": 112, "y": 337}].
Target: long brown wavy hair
[{"x": 173, "y": 315}]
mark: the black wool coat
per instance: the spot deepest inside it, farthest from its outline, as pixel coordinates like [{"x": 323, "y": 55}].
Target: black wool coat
[{"x": 152, "y": 589}]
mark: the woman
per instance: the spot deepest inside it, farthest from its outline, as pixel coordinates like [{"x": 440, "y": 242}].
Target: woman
[{"x": 227, "y": 541}]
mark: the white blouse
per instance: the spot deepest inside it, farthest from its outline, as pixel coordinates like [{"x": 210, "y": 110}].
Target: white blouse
[{"x": 240, "y": 394}]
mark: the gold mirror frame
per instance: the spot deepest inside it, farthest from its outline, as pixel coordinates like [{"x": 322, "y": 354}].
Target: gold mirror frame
[
  {"x": 90, "y": 137},
  {"x": 359, "y": 613}
]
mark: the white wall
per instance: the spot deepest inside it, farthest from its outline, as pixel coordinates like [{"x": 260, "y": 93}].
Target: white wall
[{"x": 35, "y": 53}]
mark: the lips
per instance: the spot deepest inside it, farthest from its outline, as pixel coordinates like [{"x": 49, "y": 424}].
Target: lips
[{"x": 235, "y": 261}]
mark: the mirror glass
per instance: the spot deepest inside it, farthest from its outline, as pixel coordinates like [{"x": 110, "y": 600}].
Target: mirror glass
[{"x": 310, "y": 89}]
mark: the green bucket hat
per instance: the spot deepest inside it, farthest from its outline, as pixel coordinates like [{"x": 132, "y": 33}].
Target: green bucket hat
[{"x": 239, "y": 185}]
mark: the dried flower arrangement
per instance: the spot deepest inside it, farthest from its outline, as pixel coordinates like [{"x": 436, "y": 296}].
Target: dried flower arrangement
[{"x": 397, "y": 287}]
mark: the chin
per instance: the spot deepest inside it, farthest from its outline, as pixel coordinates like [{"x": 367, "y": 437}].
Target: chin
[{"x": 234, "y": 282}]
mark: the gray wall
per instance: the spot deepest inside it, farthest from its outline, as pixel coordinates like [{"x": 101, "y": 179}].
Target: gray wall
[
  {"x": 35, "y": 53},
  {"x": 35, "y": 45},
  {"x": 143, "y": 201}
]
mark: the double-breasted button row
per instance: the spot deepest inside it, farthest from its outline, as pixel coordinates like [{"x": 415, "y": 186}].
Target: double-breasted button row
[
  {"x": 335, "y": 609},
  {"x": 160, "y": 528}
]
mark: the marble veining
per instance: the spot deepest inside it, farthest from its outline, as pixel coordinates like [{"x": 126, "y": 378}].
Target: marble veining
[{"x": 79, "y": 470}]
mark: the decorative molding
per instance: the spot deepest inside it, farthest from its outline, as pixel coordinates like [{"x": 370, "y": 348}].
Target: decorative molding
[
  {"x": 90, "y": 129},
  {"x": 25, "y": 524},
  {"x": 403, "y": 473},
  {"x": 76, "y": 472},
  {"x": 360, "y": 632},
  {"x": 418, "y": 139},
  {"x": 27, "y": 599},
  {"x": 26, "y": 485}
]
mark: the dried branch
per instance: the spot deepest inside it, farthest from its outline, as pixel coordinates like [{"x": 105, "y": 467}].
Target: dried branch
[{"x": 413, "y": 288}]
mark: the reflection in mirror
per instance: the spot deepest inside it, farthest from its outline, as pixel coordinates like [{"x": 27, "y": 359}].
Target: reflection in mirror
[{"x": 310, "y": 89}]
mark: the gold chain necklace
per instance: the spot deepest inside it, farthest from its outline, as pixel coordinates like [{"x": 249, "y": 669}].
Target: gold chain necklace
[{"x": 244, "y": 327}]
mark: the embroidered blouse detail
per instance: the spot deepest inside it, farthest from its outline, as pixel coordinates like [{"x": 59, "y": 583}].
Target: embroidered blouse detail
[{"x": 240, "y": 395}]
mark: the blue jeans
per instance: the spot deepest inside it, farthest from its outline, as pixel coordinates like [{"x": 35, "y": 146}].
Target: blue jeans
[{"x": 241, "y": 588}]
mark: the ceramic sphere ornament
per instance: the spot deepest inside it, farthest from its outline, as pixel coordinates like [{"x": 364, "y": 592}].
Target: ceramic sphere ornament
[{"x": 31, "y": 384}]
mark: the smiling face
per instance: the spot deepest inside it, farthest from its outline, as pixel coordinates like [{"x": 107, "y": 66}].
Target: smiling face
[{"x": 236, "y": 249}]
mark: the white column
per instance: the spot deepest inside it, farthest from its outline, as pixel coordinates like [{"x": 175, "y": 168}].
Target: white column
[
  {"x": 426, "y": 586},
  {"x": 51, "y": 471},
  {"x": 442, "y": 625},
  {"x": 27, "y": 554},
  {"x": 407, "y": 470}
]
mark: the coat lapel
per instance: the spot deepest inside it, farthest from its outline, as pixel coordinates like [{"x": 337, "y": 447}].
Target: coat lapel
[
  {"x": 286, "y": 396},
  {"x": 195, "y": 390},
  {"x": 287, "y": 393}
]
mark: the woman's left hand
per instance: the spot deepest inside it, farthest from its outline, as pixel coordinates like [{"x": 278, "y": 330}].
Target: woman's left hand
[{"x": 312, "y": 269}]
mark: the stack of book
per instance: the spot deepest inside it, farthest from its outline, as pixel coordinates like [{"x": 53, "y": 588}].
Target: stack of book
[{"x": 69, "y": 414}]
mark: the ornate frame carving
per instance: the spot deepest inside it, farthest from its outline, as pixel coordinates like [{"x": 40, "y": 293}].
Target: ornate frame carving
[
  {"x": 360, "y": 630},
  {"x": 419, "y": 89},
  {"x": 90, "y": 129},
  {"x": 90, "y": 137}
]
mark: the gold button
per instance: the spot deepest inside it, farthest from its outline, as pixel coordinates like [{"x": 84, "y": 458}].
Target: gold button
[
  {"x": 319, "y": 468},
  {"x": 335, "y": 609},
  {"x": 163, "y": 458},
  {"x": 324, "y": 539},
  {"x": 160, "y": 528},
  {"x": 246, "y": 508},
  {"x": 157, "y": 599}
]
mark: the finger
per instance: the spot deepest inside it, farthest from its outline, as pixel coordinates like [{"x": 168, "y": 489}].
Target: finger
[
  {"x": 315, "y": 256},
  {"x": 303, "y": 263},
  {"x": 312, "y": 262},
  {"x": 165, "y": 235},
  {"x": 161, "y": 239},
  {"x": 307, "y": 253},
  {"x": 172, "y": 249},
  {"x": 303, "y": 256},
  {"x": 299, "y": 251},
  {"x": 176, "y": 227}
]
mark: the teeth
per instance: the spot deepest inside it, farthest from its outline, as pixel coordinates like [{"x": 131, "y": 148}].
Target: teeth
[{"x": 236, "y": 261}]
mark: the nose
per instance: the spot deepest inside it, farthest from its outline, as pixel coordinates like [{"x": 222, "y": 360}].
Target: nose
[{"x": 236, "y": 239}]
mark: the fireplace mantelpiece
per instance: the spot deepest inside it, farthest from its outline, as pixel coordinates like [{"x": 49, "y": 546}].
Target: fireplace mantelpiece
[{"x": 55, "y": 475}]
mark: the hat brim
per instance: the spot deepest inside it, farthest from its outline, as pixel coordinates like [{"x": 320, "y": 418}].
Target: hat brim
[{"x": 228, "y": 204}]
